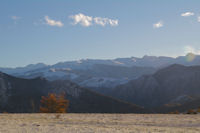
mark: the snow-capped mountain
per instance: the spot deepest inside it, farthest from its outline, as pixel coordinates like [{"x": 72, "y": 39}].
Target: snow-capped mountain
[
  {"x": 18, "y": 70},
  {"x": 101, "y": 73},
  {"x": 96, "y": 76}
]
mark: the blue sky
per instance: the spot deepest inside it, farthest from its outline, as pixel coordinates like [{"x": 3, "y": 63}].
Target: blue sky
[{"x": 51, "y": 31}]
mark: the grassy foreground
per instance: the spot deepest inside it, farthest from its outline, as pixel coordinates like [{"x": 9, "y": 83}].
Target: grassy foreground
[{"x": 98, "y": 123}]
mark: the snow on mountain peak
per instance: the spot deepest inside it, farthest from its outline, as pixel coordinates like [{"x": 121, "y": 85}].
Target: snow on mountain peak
[
  {"x": 117, "y": 62},
  {"x": 79, "y": 61},
  {"x": 52, "y": 70}
]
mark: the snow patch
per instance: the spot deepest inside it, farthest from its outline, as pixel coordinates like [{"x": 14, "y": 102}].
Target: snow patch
[{"x": 117, "y": 62}]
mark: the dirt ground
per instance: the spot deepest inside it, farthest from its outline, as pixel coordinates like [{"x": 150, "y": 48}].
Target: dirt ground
[{"x": 99, "y": 123}]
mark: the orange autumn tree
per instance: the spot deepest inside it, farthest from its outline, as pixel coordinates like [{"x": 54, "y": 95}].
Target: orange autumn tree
[{"x": 54, "y": 103}]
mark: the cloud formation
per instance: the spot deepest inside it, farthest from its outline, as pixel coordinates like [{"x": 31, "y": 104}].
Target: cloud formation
[
  {"x": 190, "y": 49},
  {"x": 158, "y": 24},
  {"x": 187, "y": 14},
  {"x": 87, "y": 21},
  {"x": 198, "y": 18},
  {"x": 82, "y": 19},
  {"x": 52, "y": 22},
  {"x": 105, "y": 21}
]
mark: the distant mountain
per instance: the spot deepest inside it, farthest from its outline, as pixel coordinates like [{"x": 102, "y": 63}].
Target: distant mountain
[
  {"x": 23, "y": 69},
  {"x": 145, "y": 61},
  {"x": 101, "y": 73},
  {"x": 160, "y": 61},
  {"x": 23, "y": 95},
  {"x": 176, "y": 84}
]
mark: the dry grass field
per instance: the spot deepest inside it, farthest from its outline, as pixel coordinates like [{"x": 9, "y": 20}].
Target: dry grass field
[{"x": 99, "y": 123}]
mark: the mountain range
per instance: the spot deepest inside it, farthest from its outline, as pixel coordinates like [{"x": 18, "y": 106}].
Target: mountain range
[
  {"x": 172, "y": 86},
  {"x": 97, "y": 73},
  {"x": 23, "y": 96},
  {"x": 122, "y": 85}
]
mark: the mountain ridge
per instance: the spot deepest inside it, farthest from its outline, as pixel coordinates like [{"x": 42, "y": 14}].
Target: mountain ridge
[
  {"x": 123, "y": 61},
  {"x": 161, "y": 88},
  {"x": 17, "y": 95},
  {"x": 97, "y": 73}
]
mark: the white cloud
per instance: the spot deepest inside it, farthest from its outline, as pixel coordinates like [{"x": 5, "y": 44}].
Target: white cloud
[
  {"x": 198, "y": 18},
  {"x": 52, "y": 22},
  {"x": 187, "y": 14},
  {"x": 87, "y": 21},
  {"x": 105, "y": 21},
  {"x": 100, "y": 21},
  {"x": 158, "y": 24},
  {"x": 190, "y": 49},
  {"x": 113, "y": 22},
  {"x": 82, "y": 19}
]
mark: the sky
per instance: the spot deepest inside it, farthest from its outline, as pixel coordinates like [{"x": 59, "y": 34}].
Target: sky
[{"x": 51, "y": 31}]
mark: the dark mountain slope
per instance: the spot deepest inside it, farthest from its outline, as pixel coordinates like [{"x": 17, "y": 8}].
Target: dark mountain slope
[
  {"x": 20, "y": 95},
  {"x": 166, "y": 85}
]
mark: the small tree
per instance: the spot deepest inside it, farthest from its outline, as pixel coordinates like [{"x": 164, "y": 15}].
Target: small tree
[{"x": 54, "y": 104}]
